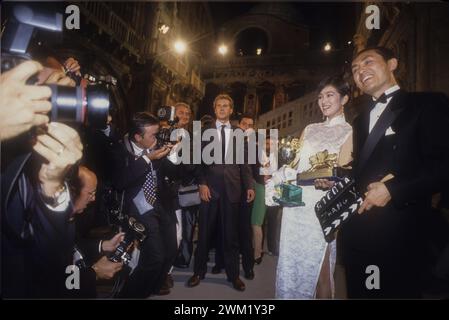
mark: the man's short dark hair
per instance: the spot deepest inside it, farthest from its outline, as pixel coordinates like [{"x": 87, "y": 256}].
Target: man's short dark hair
[
  {"x": 386, "y": 53},
  {"x": 247, "y": 116},
  {"x": 139, "y": 121}
]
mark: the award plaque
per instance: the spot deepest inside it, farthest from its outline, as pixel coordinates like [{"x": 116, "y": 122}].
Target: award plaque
[{"x": 288, "y": 195}]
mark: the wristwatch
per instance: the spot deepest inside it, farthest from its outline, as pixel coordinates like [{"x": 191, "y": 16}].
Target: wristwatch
[{"x": 57, "y": 199}]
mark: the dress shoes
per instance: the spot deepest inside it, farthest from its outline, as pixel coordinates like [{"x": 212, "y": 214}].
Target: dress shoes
[
  {"x": 194, "y": 280},
  {"x": 169, "y": 283},
  {"x": 216, "y": 270},
  {"x": 249, "y": 275},
  {"x": 163, "y": 291},
  {"x": 238, "y": 285},
  {"x": 258, "y": 260}
]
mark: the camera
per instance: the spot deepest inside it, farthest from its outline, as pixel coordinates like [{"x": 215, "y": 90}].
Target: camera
[
  {"x": 133, "y": 230},
  {"x": 84, "y": 104},
  {"x": 166, "y": 114}
]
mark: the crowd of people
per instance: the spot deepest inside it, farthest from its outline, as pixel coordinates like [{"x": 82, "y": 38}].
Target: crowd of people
[{"x": 63, "y": 186}]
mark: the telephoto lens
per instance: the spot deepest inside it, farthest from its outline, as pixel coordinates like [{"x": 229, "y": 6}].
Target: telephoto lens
[{"x": 88, "y": 105}]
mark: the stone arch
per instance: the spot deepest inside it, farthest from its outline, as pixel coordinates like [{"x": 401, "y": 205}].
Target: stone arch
[{"x": 242, "y": 40}]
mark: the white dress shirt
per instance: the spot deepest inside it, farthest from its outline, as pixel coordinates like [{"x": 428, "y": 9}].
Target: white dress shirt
[
  {"x": 380, "y": 107},
  {"x": 138, "y": 151},
  {"x": 218, "y": 124}
]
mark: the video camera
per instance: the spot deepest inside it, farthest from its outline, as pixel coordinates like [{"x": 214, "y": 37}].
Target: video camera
[
  {"x": 83, "y": 104},
  {"x": 167, "y": 114},
  {"x": 133, "y": 230}
]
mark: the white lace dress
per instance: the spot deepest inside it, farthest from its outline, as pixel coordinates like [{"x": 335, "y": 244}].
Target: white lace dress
[{"x": 302, "y": 245}]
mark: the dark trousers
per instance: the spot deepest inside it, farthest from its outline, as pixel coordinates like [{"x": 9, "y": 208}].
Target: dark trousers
[
  {"x": 274, "y": 218},
  {"x": 223, "y": 214},
  {"x": 146, "y": 277},
  {"x": 168, "y": 234},
  {"x": 189, "y": 217},
  {"x": 397, "y": 279},
  {"x": 246, "y": 235}
]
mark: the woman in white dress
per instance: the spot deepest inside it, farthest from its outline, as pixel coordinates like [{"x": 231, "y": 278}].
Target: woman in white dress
[{"x": 306, "y": 261}]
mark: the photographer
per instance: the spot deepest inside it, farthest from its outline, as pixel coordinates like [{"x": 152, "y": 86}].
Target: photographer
[
  {"x": 91, "y": 250},
  {"x": 37, "y": 236},
  {"x": 140, "y": 171},
  {"x": 189, "y": 215}
]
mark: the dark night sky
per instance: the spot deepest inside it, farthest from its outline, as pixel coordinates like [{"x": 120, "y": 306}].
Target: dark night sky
[{"x": 333, "y": 22}]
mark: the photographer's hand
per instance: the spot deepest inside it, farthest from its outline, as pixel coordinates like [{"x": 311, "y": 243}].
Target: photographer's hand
[
  {"x": 55, "y": 76},
  {"x": 106, "y": 269},
  {"x": 72, "y": 65},
  {"x": 22, "y": 106},
  {"x": 159, "y": 153},
  {"x": 112, "y": 244},
  {"x": 205, "y": 192},
  {"x": 62, "y": 148}
]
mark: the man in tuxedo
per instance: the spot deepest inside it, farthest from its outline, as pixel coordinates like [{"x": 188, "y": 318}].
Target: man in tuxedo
[
  {"x": 404, "y": 136},
  {"x": 221, "y": 186}
]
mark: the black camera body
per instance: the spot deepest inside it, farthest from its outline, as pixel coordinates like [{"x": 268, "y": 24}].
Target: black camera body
[
  {"x": 166, "y": 114},
  {"x": 84, "y": 104},
  {"x": 133, "y": 230}
]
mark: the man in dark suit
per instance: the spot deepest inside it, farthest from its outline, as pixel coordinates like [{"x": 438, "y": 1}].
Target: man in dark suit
[
  {"x": 221, "y": 185},
  {"x": 139, "y": 168},
  {"x": 383, "y": 245}
]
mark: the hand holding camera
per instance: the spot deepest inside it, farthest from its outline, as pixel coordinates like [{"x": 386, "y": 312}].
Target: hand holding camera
[
  {"x": 106, "y": 269},
  {"x": 159, "y": 153},
  {"x": 22, "y": 106},
  {"x": 62, "y": 148},
  {"x": 112, "y": 244}
]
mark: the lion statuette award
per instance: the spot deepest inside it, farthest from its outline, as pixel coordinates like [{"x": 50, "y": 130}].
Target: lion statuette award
[{"x": 323, "y": 165}]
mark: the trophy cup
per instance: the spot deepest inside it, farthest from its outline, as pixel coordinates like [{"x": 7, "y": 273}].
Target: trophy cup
[{"x": 288, "y": 194}]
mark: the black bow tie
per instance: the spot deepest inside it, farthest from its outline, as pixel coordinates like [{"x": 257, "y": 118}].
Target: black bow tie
[{"x": 383, "y": 97}]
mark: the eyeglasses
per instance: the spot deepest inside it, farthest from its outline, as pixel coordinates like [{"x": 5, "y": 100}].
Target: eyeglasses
[{"x": 92, "y": 194}]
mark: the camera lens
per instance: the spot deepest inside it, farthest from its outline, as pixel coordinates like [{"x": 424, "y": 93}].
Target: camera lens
[{"x": 87, "y": 105}]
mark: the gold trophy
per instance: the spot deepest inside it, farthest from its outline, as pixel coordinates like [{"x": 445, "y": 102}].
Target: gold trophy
[{"x": 323, "y": 166}]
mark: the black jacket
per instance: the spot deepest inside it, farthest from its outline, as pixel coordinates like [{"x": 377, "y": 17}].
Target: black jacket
[
  {"x": 37, "y": 243},
  {"x": 236, "y": 178},
  {"x": 417, "y": 154}
]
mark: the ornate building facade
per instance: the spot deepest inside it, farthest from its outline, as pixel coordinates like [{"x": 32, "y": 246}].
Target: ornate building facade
[
  {"x": 269, "y": 63},
  {"x": 418, "y": 33},
  {"x": 126, "y": 41}
]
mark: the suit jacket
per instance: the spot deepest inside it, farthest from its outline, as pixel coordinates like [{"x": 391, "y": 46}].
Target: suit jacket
[
  {"x": 417, "y": 154},
  {"x": 130, "y": 172},
  {"x": 233, "y": 178}
]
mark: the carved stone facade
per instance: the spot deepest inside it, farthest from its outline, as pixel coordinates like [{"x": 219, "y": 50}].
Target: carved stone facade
[
  {"x": 418, "y": 33},
  {"x": 285, "y": 70},
  {"x": 291, "y": 118},
  {"x": 122, "y": 39}
]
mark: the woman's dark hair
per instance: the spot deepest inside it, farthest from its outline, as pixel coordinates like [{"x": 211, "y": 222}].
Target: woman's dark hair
[
  {"x": 139, "y": 122},
  {"x": 338, "y": 83}
]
